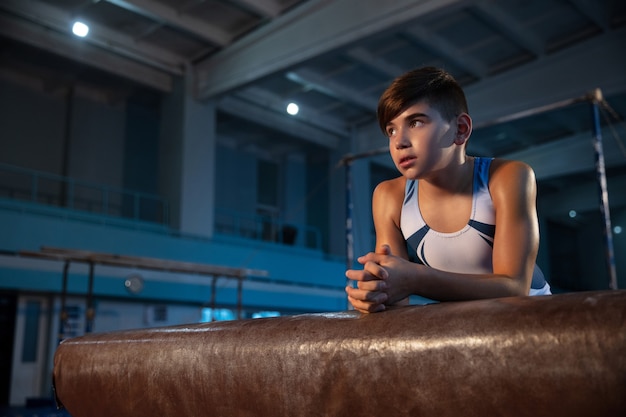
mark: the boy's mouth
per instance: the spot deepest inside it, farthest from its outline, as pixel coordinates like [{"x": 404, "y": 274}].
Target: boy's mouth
[{"x": 406, "y": 160}]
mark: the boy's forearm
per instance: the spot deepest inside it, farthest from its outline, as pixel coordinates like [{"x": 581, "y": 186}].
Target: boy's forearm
[{"x": 449, "y": 286}]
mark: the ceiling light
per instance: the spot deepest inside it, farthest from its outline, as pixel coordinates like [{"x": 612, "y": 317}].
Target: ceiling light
[
  {"x": 617, "y": 230},
  {"x": 80, "y": 29},
  {"x": 293, "y": 109},
  {"x": 572, "y": 213}
]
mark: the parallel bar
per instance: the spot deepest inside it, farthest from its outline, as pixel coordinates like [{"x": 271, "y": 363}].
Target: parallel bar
[
  {"x": 604, "y": 192},
  {"x": 537, "y": 110},
  {"x": 142, "y": 262}
]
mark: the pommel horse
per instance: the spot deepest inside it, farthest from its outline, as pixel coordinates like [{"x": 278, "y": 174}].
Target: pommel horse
[{"x": 560, "y": 355}]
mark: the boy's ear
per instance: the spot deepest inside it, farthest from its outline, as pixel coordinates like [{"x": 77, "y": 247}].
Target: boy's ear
[{"x": 463, "y": 128}]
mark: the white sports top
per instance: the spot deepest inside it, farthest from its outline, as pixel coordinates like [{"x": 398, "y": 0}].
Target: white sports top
[{"x": 468, "y": 250}]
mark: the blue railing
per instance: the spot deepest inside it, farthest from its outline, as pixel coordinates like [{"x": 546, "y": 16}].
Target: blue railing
[
  {"x": 59, "y": 191},
  {"x": 82, "y": 196}
]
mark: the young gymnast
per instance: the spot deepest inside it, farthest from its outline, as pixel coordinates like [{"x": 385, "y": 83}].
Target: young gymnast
[{"x": 452, "y": 226}]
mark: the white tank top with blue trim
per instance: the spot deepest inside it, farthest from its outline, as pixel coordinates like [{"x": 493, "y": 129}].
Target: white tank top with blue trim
[{"x": 468, "y": 250}]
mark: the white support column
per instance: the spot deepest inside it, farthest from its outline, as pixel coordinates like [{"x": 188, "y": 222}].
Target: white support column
[
  {"x": 337, "y": 202},
  {"x": 188, "y": 160}
]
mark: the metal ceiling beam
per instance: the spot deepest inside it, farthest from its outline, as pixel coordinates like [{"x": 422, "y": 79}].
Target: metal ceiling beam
[
  {"x": 264, "y": 117},
  {"x": 365, "y": 57},
  {"x": 269, "y": 100},
  {"x": 446, "y": 50},
  {"x": 555, "y": 77},
  {"x": 296, "y": 36},
  {"x": 59, "y": 20},
  {"x": 173, "y": 17},
  {"x": 267, "y": 8},
  {"x": 596, "y": 11},
  {"x": 77, "y": 50},
  {"x": 507, "y": 24},
  {"x": 330, "y": 88}
]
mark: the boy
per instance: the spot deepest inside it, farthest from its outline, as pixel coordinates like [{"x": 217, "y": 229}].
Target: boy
[{"x": 453, "y": 226}]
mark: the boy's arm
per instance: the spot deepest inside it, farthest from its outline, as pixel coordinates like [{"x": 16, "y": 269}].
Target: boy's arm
[
  {"x": 386, "y": 207},
  {"x": 514, "y": 193},
  {"x": 369, "y": 294}
]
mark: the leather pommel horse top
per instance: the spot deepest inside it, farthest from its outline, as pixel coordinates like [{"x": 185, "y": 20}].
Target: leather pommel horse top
[{"x": 560, "y": 355}]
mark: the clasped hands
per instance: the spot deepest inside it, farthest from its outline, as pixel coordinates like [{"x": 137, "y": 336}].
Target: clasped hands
[{"x": 378, "y": 283}]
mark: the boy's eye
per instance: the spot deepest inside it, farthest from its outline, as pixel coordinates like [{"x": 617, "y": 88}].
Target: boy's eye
[
  {"x": 416, "y": 123},
  {"x": 391, "y": 131}
]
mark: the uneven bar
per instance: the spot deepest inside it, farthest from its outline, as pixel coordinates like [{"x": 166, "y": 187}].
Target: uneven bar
[{"x": 560, "y": 355}]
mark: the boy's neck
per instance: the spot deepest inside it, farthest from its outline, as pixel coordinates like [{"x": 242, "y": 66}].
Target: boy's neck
[{"x": 456, "y": 178}]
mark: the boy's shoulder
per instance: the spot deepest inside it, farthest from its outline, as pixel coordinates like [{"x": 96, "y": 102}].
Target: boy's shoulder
[
  {"x": 392, "y": 185},
  {"x": 509, "y": 175},
  {"x": 502, "y": 161},
  {"x": 508, "y": 167},
  {"x": 390, "y": 192}
]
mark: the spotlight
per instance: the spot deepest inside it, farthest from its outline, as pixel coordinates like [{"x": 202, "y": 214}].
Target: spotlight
[
  {"x": 617, "y": 230},
  {"x": 293, "y": 109},
  {"x": 80, "y": 29},
  {"x": 572, "y": 213}
]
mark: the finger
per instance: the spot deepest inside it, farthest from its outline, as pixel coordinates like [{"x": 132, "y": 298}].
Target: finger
[
  {"x": 366, "y": 307},
  {"x": 366, "y": 258},
  {"x": 355, "y": 275},
  {"x": 375, "y": 270},
  {"x": 377, "y": 285},
  {"x": 369, "y": 273},
  {"x": 378, "y": 257},
  {"x": 375, "y": 297}
]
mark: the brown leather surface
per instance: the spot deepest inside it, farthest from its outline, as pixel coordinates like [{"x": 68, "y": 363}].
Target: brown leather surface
[{"x": 561, "y": 355}]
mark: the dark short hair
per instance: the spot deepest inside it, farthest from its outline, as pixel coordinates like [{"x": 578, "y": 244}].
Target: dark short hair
[{"x": 434, "y": 85}]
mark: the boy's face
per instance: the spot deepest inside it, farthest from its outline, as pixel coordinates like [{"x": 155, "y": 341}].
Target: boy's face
[{"x": 420, "y": 140}]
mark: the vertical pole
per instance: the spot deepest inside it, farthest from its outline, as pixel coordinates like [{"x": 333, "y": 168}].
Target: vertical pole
[
  {"x": 239, "y": 297},
  {"x": 604, "y": 194},
  {"x": 90, "y": 314},
  {"x": 63, "y": 314},
  {"x": 349, "y": 207},
  {"x": 349, "y": 233},
  {"x": 213, "y": 296}
]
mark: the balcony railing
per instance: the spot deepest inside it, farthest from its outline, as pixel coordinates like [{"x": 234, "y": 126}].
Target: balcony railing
[
  {"x": 82, "y": 196},
  {"x": 59, "y": 191}
]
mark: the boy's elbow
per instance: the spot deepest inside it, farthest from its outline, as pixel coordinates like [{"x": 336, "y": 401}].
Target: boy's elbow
[{"x": 520, "y": 287}]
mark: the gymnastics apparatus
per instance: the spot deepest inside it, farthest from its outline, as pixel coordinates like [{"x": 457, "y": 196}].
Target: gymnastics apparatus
[{"x": 559, "y": 355}]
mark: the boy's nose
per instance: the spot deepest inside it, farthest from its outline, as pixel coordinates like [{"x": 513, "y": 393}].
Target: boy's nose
[{"x": 401, "y": 141}]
